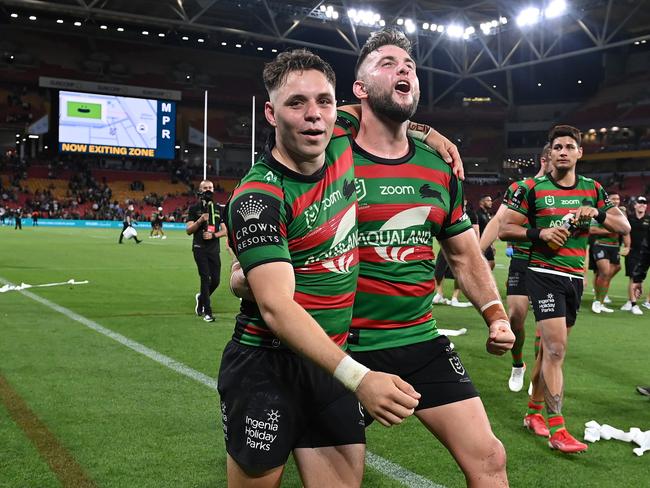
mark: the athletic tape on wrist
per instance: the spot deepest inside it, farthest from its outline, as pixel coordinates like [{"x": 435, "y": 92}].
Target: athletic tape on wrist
[
  {"x": 493, "y": 311},
  {"x": 350, "y": 373},
  {"x": 419, "y": 131}
]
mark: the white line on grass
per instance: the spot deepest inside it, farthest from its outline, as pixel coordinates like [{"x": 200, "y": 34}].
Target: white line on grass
[{"x": 384, "y": 466}]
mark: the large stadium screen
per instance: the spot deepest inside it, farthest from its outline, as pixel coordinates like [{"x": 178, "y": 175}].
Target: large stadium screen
[{"x": 113, "y": 125}]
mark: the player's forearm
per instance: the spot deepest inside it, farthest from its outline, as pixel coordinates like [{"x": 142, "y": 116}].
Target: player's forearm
[
  {"x": 191, "y": 228},
  {"x": 490, "y": 233},
  {"x": 512, "y": 232},
  {"x": 299, "y": 331},
  {"x": 598, "y": 231},
  {"x": 615, "y": 221}
]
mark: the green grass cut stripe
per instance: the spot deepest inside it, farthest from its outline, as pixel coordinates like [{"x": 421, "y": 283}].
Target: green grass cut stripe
[{"x": 61, "y": 462}]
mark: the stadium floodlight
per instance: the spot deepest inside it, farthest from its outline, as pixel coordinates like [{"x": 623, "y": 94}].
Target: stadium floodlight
[
  {"x": 455, "y": 31},
  {"x": 441, "y": 29},
  {"x": 145, "y": 33},
  {"x": 425, "y": 26},
  {"x": 603, "y": 130},
  {"x": 34, "y": 136},
  {"x": 103, "y": 27},
  {"x": 613, "y": 129},
  {"x": 400, "y": 21},
  {"x": 177, "y": 147},
  {"x": 470, "y": 30},
  {"x": 494, "y": 86},
  {"x": 161, "y": 34},
  {"x": 59, "y": 21},
  {"x": 433, "y": 27},
  {"x": 335, "y": 15},
  {"x": 32, "y": 17},
  {"x": 555, "y": 9},
  {"x": 185, "y": 38},
  {"x": 14, "y": 16},
  {"x": 260, "y": 48},
  {"x": 224, "y": 43},
  {"x": 120, "y": 29},
  {"x": 323, "y": 8},
  {"x": 352, "y": 13},
  {"x": 503, "y": 20},
  {"x": 486, "y": 27},
  {"x": 528, "y": 16},
  {"x": 17, "y": 135},
  {"x": 77, "y": 24},
  {"x": 579, "y": 82},
  {"x": 539, "y": 83},
  {"x": 274, "y": 50},
  {"x": 238, "y": 46},
  {"x": 201, "y": 40},
  {"x": 409, "y": 26}
]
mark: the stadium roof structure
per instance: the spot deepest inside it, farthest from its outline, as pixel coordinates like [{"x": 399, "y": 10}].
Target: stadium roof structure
[{"x": 460, "y": 39}]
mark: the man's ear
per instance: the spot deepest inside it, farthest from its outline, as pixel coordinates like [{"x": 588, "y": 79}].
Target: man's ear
[
  {"x": 359, "y": 89},
  {"x": 270, "y": 114}
]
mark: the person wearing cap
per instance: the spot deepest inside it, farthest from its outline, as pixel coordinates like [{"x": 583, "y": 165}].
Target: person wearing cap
[{"x": 640, "y": 223}]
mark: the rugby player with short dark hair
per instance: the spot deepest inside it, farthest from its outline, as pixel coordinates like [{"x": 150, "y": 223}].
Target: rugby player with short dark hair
[
  {"x": 558, "y": 208},
  {"x": 640, "y": 223}
]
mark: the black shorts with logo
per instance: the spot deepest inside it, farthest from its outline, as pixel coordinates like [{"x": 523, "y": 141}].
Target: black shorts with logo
[
  {"x": 631, "y": 260},
  {"x": 612, "y": 253},
  {"x": 554, "y": 295},
  {"x": 432, "y": 367},
  {"x": 516, "y": 284},
  {"x": 273, "y": 401}
]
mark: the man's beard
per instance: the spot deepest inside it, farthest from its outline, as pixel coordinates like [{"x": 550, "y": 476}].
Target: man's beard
[{"x": 383, "y": 105}]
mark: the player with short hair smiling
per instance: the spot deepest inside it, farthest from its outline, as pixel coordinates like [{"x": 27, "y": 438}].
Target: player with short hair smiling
[
  {"x": 285, "y": 381},
  {"x": 559, "y": 207}
]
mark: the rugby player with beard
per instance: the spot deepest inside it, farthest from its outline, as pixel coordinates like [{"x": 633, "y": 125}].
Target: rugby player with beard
[{"x": 407, "y": 195}]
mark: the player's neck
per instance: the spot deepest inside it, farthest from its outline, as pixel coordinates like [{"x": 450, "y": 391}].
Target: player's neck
[
  {"x": 382, "y": 137},
  {"x": 296, "y": 162},
  {"x": 564, "y": 177}
]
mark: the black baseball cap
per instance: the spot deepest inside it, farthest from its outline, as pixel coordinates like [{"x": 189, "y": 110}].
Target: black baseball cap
[{"x": 641, "y": 200}]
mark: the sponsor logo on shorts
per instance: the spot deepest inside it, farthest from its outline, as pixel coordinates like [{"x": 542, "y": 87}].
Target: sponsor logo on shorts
[
  {"x": 261, "y": 434},
  {"x": 362, "y": 420},
  {"x": 547, "y": 304},
  {"x": 224, "y": 420}
]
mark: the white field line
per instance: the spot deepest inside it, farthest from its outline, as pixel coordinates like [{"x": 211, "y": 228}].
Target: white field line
[{"x": 384, "y": 466}]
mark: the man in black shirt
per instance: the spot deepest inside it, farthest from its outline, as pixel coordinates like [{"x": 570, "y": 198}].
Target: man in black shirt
[
  {"x": 127, "y": 226},
  {"x": 205, "y": 223},
  {"x": 484, "y": 216},
  {"x": 640, "y": 223}
]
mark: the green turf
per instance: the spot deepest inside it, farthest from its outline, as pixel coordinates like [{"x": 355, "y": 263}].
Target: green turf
[{"x": 130, "y": 421}]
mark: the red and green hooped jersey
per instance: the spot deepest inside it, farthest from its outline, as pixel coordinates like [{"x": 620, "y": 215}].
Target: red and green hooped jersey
[
  {"x": 544, "y": 203},
  {"x": 310, "y": 221},
  {"x": 403, "y": 205},
  {"x": 521, "y": 249},
  {"x": 612, "y": 239}
]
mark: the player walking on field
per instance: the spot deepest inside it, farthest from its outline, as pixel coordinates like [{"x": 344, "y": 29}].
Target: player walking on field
[
  {"x": 517, "y": 293},
  {"x": 559, "y": 207},
  {"x": 407, "y": 196}
]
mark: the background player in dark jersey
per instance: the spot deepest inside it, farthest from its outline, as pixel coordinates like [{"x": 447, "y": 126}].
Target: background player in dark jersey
[
  {"x": 559, "y": 208},
  {"x": 205, "y": 225},
  {"x": 605, "y": 259},
  {"x": 640, "y": 223},
  {"x": 392, "y": 327},
  {"x": 299, "y": 193},
  {"x": 484, "y": 215},
  {"x": 128, "y": 222},
  {"x": 517, "y": 294}
]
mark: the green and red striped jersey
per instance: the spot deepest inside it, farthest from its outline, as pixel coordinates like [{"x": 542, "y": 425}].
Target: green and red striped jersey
[
  {"x": 276, "y": 214},
  {"x": 521, "y": 249},
  {"x": 544, "y": 202},
  {"x": 403, "y": 204},
  {"x": 610, "y": 239}
]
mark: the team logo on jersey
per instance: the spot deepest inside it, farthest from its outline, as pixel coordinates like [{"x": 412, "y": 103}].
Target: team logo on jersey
[
  {"x": 348, "y": 189},
  {"x": 360, "y": 186},
  {"x": 427, "y": 192},
  {"x": 270, "y": 177},
  {"x": 338, "y": 258},
  {"x": 549, "y": 200},
  {"x": 251, "y": 209},
  {"x": 395, "y": 226}
]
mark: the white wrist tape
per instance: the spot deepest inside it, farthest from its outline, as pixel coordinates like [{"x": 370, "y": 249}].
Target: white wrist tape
[
  {"x": 350, "y": 373},
  {"x": 419, "y": 135},
  {"x": 489, "y": 304}
]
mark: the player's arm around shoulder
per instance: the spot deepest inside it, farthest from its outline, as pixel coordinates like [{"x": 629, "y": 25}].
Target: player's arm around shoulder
[{"x": 387, "y": 398}]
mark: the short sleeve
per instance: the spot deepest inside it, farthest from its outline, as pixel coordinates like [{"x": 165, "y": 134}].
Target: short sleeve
[
  {"x": 603, "y": 202},
  {"x": 256, "y": 225},
  {"x": 517, "y": 197},
  {"x": 457, "y": 220}
]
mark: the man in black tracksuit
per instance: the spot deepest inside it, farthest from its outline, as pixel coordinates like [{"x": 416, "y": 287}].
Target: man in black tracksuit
[
  {"x": 638, "y": 275},
  {"x": 205, "y": 224}
]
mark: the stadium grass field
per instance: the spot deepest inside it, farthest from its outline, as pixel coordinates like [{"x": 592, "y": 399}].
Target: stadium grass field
[{"x": 104, "y": 414}]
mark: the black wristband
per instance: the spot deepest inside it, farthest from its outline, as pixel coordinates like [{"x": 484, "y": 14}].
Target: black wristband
[
  {"x": 533, "y": 234},
  {"x": 602, "y": 215}
]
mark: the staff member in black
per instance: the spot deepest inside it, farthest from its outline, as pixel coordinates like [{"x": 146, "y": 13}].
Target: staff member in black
[
  {"x": 640, "y": 223},
  {"x": 205, "y": 224},
  {"x": 128, "y": 222},
  {"x": 484, "y": 216},
  {"x": 638, "y": 276}
]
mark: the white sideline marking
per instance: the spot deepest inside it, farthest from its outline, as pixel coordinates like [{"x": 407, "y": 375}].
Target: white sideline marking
[{"x": 384, "y": 466}]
